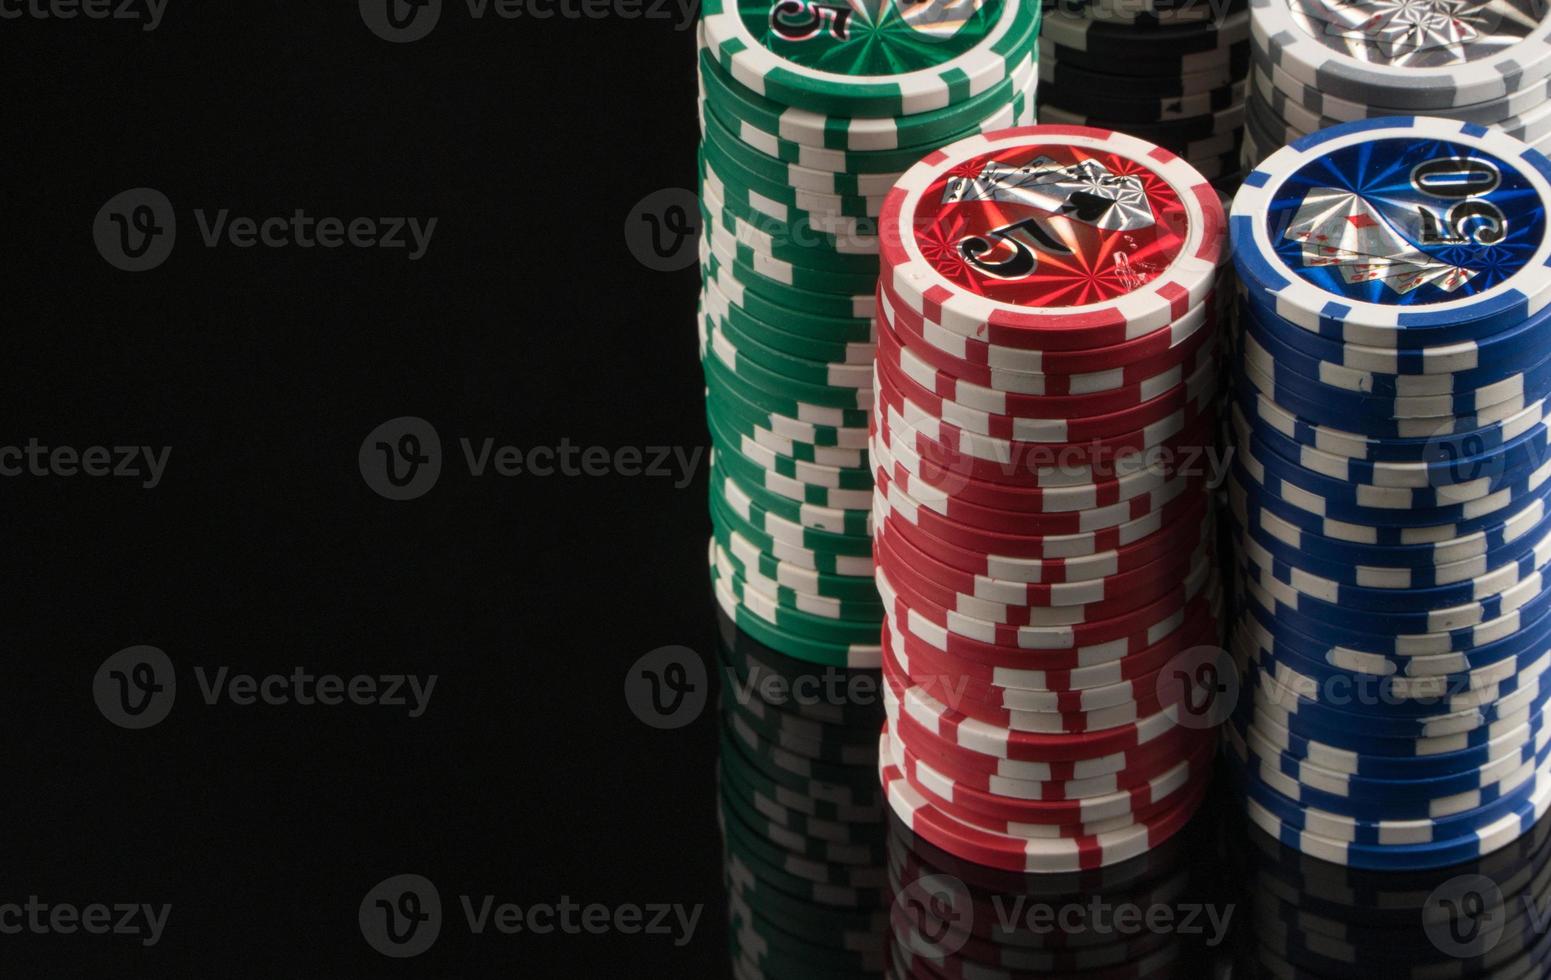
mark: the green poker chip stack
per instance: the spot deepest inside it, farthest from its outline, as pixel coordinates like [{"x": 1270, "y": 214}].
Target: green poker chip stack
[{"x": 808, "y": 115}]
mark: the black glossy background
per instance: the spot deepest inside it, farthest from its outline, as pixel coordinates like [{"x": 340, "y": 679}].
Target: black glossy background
[{"x": 529, "y": 320}]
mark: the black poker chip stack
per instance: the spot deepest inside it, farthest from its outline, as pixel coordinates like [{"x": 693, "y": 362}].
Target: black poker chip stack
[{"x": 1172, "y": 72}]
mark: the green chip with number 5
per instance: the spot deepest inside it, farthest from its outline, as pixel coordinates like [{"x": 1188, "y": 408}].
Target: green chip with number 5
[{"x": 872, "y": 58}]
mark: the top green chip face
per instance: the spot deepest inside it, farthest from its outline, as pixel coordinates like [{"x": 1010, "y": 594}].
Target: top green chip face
[{"x": 870, "y": 57}]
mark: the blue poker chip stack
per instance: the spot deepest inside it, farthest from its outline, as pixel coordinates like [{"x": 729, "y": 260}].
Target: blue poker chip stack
[{"x": 1389, "y": 492}]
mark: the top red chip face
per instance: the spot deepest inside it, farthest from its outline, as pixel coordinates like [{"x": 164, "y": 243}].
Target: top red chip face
[{"x": 1052, "y": 238}]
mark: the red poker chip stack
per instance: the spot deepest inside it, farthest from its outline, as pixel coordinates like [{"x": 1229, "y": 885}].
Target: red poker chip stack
[{"x": 1048, "y": 313}]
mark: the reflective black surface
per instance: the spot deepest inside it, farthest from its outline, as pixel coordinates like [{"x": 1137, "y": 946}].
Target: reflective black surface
[
  {"x": 544, "y": 776},
  {"x": 1219, "y": 899}
]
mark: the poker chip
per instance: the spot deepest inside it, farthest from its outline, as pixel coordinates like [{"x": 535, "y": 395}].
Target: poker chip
[
  {"x": 818, "y": 538},
  {"x": 1182, "y": 246},
  {"x": 998, "y": 505},
  {"x": 1388, "y": 492},
  {"x": 1176, "y": 76},
  {"x": 1065, "y": 74},
  {"x": 1275, "y": 110},
  {"x": 1162, "y": 12},
  {"x": 1295, "y": 882},
  {"x": 1156, "y": 585},
  {"x": 1337, "y": 47},
  {"x": 807, "y": 121},
  {"x": 1448, "y": 583},
  {"x": 1032, "y": 854},
  {"x": 1198, "y": 42},
  {"x": 1006, "y": 782},
  {"x": 1034, "y": 689},
  {"x": 1463, "y": 845},
  {"x": 894, "y": 62},
  {"x": 1043, "y": 544},
  {"x": 1144, "y": 108},
  {"x": 1036, "y": 810},
  {"x": 1350, "y": 806},
  {"x": 1413, "y": 301},
  {"x": 1318, "y": 63},
  {"x": 1080, "y": 567},
  {"x": 1151, "y": 579}
]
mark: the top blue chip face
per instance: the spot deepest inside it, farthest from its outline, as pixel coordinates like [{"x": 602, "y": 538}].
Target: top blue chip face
[
  {"x": 1398, "y": 232},
  {"x": 1407, "y": 222}
]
